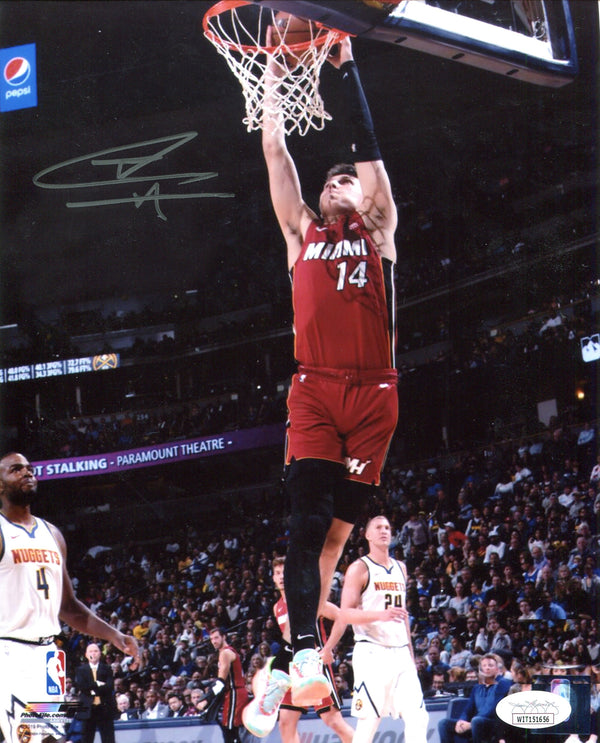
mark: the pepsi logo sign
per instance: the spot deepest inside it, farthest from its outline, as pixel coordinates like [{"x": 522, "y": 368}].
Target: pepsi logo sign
[
  {"x": 17, "y": 71},
  {"x": 18, "y": 78}
]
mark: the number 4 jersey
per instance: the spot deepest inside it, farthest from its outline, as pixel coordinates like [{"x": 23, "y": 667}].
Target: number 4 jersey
[
  {"x": 385, "y": 587},
  {"x": 30, "y": 581},
  {"x": 343, "y": 298}
]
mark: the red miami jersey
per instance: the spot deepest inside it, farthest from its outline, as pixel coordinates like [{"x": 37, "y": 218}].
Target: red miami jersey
[
  {"x": 236, "y": 693},
  {"x": 343, "y": 298},
  {"x": 280, "y": 611}
]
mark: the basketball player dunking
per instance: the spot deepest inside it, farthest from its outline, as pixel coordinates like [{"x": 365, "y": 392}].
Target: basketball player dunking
[
  {"x": 36, "y": 595},
  {"x": 342, "y": 403}
]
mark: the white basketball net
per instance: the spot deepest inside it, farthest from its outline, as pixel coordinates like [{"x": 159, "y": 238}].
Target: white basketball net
[{"x": 295, "y": 103}]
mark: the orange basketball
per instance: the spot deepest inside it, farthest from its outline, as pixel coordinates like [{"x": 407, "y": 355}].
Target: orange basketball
[{"x": 291, "y": 30}]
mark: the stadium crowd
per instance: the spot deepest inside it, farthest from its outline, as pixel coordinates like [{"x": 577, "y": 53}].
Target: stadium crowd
[
  {"x": 502, "y": 552},
  {"x": 549, "y": 338}
]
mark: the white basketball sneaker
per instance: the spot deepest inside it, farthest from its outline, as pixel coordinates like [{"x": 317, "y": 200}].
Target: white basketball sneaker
[
  {"x": 309, "y": 683},
  {"x": 259, "y": 717}
]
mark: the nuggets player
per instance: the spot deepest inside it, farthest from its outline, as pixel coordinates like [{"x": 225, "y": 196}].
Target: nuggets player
[
  {"x": 385, "y": 677},
  {"x": 36, "y": 595}
]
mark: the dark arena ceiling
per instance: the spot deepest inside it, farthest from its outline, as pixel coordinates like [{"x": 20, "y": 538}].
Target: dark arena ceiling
[{"x": 456, "y": 140}]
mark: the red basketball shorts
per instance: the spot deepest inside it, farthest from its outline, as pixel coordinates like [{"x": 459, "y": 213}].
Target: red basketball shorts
[
  {"x": 343, "y": 416},
  {"x": 233, "y": 705}
]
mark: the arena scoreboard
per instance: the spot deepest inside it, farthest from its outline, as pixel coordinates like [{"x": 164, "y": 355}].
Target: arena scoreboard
[{"x": 59, "y": 368}]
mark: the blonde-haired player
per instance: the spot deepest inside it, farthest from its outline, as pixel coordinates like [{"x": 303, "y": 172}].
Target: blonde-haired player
[{"x": 385, "y": 677}]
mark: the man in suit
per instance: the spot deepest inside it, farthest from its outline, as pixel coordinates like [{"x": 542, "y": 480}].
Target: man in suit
[
  {"x": 97, "y": 711},
  {"x": 176, "y": 706},
  {"x": 155, "y": 709},
  {"x": 125, "y": 710}
]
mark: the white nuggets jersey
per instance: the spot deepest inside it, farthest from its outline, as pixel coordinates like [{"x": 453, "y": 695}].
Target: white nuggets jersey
[
  {"x": 385, "y": 587},
  {"x": 30, "y": 581}
]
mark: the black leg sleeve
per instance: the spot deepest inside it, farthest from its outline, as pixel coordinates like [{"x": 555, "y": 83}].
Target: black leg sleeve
[{"x": 310, "y": 484}]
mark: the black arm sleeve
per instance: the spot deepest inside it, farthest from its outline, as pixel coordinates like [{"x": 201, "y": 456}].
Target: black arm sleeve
[{"x": 364, "y": 143}]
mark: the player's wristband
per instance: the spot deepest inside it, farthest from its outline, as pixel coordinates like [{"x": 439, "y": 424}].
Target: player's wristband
[
  {"x": 217, "y": 687},
  {"x": 364, "y": 145},
  {"x": 214, "y": 691}
]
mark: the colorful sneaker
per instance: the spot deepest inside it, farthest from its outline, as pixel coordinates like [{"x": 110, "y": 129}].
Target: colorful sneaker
[
  {"x": 309, "y": 684},
  {"x": 259, "y": 717}
]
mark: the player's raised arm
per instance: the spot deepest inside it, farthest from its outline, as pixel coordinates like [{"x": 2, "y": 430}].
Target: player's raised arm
[
  {"x": 378, "y": 207},
  {"x": 292, "y": 213}
]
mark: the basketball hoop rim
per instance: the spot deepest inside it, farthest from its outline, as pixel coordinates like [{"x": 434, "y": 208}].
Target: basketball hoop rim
[{"x": 224, "y": 5}]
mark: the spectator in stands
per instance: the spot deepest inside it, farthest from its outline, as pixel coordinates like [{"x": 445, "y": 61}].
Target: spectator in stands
[
  {"x": 478, "y": 721},
  {"x": 456, "y": 538},
  {"x": 456, "y": 677},
  {"x": 142, "y": 629},
  {"x": 476, "y": 597},
  {"x": 414, "y": 532},
  {"x": 445, "y": 639},
  {"x": 154, "y": 707},
  {"x": 494, "y": 638},
  {"x": 530, "y": 572},
  {"x": 438, "y": 682},
  {"x": 521, "y": 677},
  {"x": 595, "y": 472},
  {"x": 459, "y": 655},
  {"x": 187, "y": 698},
  {"x": 460, "y": 601},
  {"x": 195, "y": 707},
  {"x": 497, "y": 592},
  {"x": 545, "y": 580},
  {"x": 469, "y": 636},
  {"x": 433, "y": 658},
  {"x": 577, "y": 602},
  {"x": 176, "y": 705},
  {"x": 537, "y": 553},
  {"x": 125, "y": 712},
  {"x": 579, "y": 553},
  {"x": 591, "y": 580},
  {"x": 343, "y": 690},
  {"x": 185, "y": 665},
  {"x": 475, "y": 524},
  {"x": 550, "y": 612},
  {"x": 526, "y": 612},
  {"x": 495, "y": 545}
]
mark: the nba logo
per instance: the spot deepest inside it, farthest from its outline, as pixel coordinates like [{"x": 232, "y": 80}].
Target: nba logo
[
  {"x": 55, "y": 672},
  {"x": 18, "y": 78}
]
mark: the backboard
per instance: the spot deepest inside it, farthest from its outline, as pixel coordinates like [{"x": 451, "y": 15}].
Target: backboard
[{"x": 531, "y": 40}]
